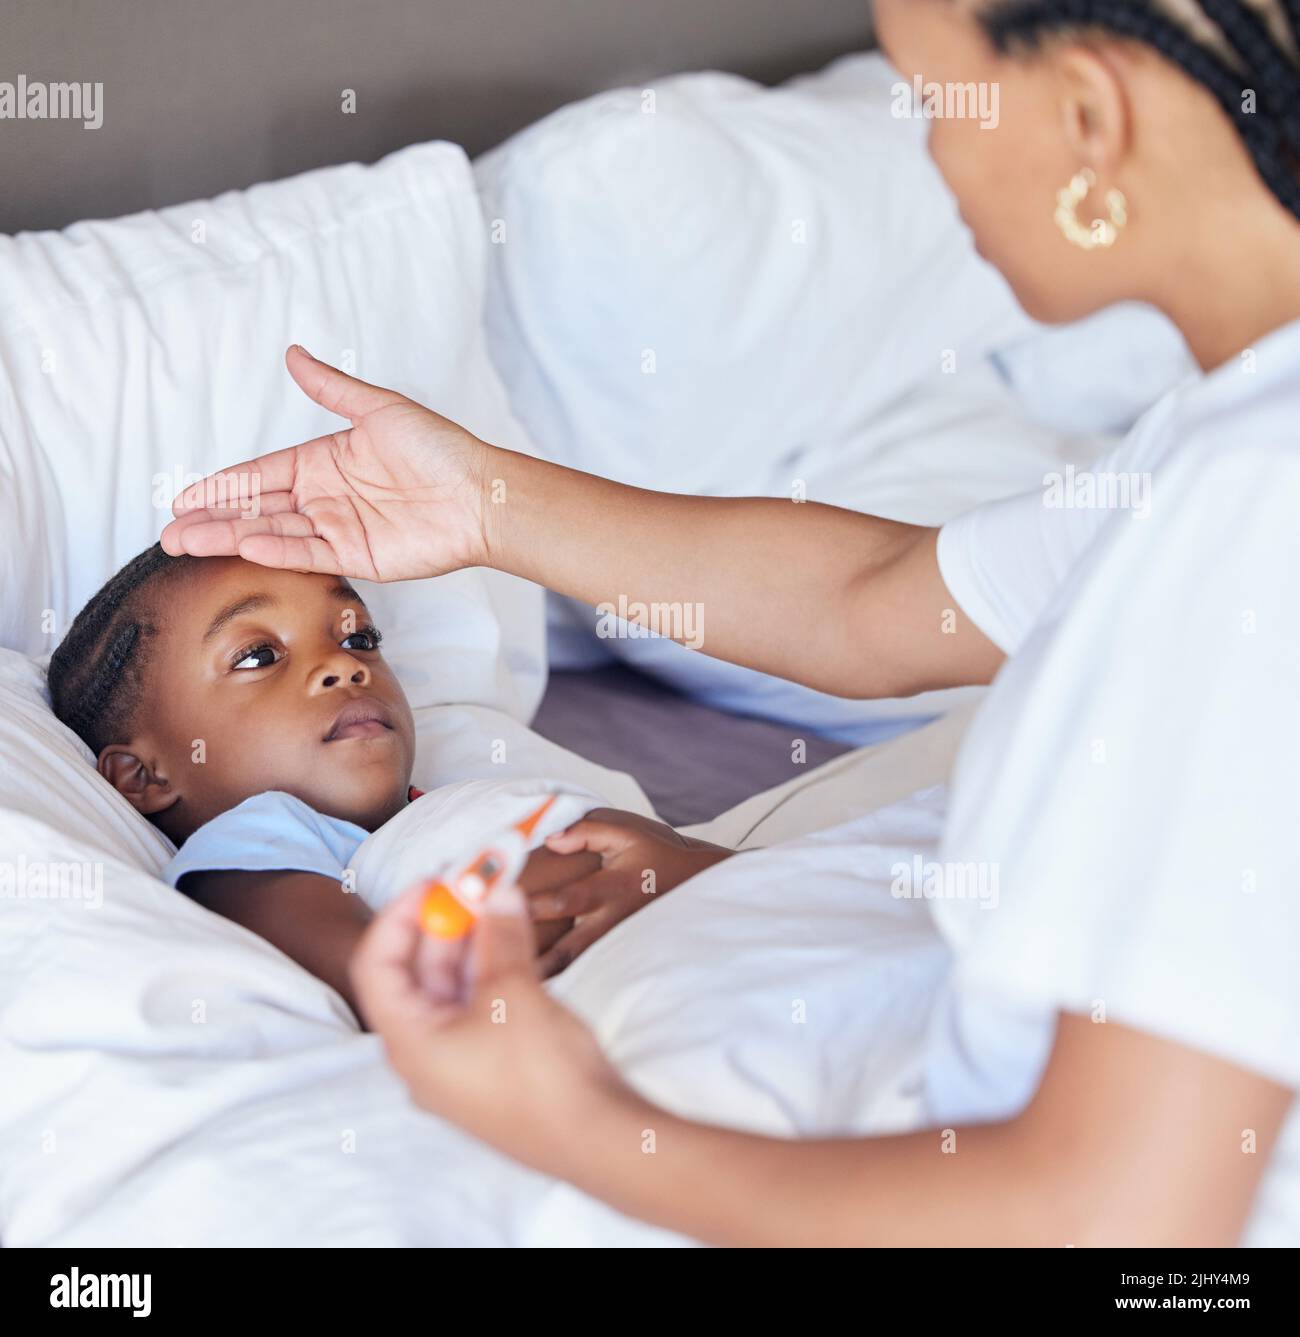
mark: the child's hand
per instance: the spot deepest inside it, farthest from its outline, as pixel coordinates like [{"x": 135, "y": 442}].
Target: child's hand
[
  {"x": 547, "y": 872},
  {"x": 636, "y": 860}
]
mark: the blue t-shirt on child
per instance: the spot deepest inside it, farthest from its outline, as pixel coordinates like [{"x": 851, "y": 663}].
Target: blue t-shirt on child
[{"x": 271, "y": 832}]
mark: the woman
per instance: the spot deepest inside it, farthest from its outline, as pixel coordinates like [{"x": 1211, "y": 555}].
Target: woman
[{"x": 1114, "y": 1060}]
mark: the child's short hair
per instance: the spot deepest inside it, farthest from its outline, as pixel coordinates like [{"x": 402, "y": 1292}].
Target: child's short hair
[{"x": 96, "y": 675}]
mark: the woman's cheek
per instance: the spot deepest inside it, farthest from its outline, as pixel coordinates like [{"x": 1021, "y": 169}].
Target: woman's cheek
[
  {"x": 972, "y": 172},
  {"x": 952, "y": 156}
]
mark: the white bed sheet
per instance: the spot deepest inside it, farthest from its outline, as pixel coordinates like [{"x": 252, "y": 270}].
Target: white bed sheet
[{"x": 206, "y": 1090}]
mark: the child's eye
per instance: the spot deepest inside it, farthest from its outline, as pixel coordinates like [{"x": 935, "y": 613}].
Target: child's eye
[
  {"x": 369, "y": 636},
  {"x": 255, "y": 657}
]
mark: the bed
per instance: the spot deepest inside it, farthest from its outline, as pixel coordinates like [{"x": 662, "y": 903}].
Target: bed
[
  {"x": 692, "y": 761},
  {"x": 169, "y": 1078}
]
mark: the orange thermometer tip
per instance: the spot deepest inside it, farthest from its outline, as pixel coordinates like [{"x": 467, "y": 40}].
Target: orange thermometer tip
[{"x": 442, "y": 915}]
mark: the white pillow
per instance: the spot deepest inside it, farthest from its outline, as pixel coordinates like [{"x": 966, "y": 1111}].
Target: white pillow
[
  {"x": 146, "y": 349},
  {"x": 695, "y": 280},
  {"x": 47, "y": 774},
  {"x": 626, "y": 225},
  {"x": 138, "y": 354}
]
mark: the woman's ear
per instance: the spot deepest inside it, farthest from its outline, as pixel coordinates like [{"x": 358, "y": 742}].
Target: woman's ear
[
  {"x": 1095, "y": 109},
  {"x": 140, "y": 783}
]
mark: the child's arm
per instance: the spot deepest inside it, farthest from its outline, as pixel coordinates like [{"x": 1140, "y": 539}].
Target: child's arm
[
  {"x": 316, "y": 923},
  {"x": 310, "y": 918}
]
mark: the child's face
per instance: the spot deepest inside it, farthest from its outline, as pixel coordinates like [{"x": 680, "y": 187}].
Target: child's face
[{"x": 261, "y": 680}]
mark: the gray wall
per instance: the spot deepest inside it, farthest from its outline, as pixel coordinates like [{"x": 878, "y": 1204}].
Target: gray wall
[{"x": 207, "y": 95}]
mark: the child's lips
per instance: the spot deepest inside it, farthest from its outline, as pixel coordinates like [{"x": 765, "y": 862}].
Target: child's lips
[{"x": 360, "y": 719}]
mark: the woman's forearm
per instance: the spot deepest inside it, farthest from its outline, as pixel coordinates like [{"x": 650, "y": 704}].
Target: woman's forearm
[
  {"x": 1110, "y": 1151},
  {"x": 850, "y": 604},
  {"x": 739, "y": 1190},
  {"x": 847, "y": 603}
]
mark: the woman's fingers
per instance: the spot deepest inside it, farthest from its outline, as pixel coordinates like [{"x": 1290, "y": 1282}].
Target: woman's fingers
[
  {"x": 173, "y": 537},
  {"x": 268, "y": 503},
  {"x": 285, "y": 539},
  {"x": 383, "y": 967},
  {"x": 405, "y": 979},
  {"x": 294, "y": 553},
  {"x": 440, "y": 970},
  {"x": 218, "y": 533},
  {"x": 241, "y": 486},
  {"x": 501, "y": 946},
  {"x": 336, "y": 390}
]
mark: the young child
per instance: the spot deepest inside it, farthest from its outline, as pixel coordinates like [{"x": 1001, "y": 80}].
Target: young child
[{"x": 250, "y": 715}]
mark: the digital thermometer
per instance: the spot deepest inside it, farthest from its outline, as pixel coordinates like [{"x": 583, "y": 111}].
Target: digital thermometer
[{"x": 451, "y": 905}]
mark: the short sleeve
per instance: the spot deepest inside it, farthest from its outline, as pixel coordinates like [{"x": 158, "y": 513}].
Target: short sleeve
[
  {"x": 269, "y": 832},
  {"x": 1135, "y": 778},
  {"x": 1006, "y": 561},
  {"x": 998, "y": 593}
]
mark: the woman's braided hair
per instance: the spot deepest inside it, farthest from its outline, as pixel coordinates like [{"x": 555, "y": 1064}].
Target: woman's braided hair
[
  {"x": 96, "y": 674},
  {"x": 1252, "y": 59}
]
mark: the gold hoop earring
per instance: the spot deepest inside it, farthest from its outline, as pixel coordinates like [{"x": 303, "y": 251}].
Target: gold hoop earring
[{"x": 1102, "y": 233}]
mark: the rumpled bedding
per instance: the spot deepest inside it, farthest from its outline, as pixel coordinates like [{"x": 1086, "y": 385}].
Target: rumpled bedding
[{"x": 172, "y": 1079}]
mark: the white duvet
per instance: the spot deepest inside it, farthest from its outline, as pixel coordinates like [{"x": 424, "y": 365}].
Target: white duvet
[{"x": 171, "y": 1079}]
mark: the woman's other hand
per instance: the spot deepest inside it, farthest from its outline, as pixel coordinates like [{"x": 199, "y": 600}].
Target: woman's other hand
[
  {"x": 474, "y": 1036},
  {"x": 398, "y": 495}
]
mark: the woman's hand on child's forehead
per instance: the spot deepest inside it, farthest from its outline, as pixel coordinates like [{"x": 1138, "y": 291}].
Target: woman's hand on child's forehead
[{"x": 397, "y": 496}]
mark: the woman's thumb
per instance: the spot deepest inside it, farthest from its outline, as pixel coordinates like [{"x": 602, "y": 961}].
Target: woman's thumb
[
  {"x": 503, "y": 941},
  {"x": 334, "y": 389}
]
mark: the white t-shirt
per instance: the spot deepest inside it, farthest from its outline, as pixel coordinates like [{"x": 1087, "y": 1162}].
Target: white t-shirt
[{"x": 1133, "y": 778}]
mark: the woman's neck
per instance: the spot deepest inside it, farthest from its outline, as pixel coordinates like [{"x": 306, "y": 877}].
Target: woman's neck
[{"x": 1224, "y": 306}]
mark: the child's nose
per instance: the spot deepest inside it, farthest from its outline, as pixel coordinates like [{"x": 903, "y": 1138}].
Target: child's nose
[{"x": 343, "y": 669}]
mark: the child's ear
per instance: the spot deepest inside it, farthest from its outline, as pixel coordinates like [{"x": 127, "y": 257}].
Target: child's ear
[{"x": 141, "y": 784}]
